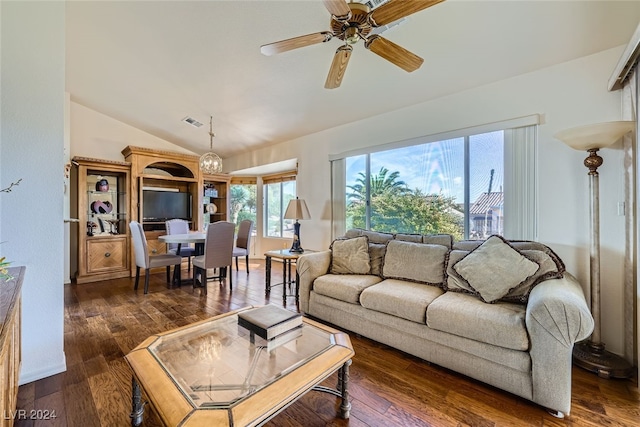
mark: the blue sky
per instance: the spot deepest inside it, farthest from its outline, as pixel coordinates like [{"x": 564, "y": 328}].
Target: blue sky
[{"x": 438, "y": 167}]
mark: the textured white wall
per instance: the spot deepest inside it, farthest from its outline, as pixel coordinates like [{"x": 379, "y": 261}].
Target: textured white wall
[
  {"x": 96, "y": 135},
  {"x": 32, "y": 148},
  {"x": 568, "y": 94}
]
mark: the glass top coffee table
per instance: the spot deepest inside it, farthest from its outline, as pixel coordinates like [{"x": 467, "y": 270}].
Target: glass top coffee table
[{"x": 211, "y": 373}]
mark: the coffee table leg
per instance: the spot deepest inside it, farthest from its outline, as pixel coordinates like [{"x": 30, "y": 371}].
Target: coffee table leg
[
  {"x": 137, "y": 405},
  {"x": 268, "y": 274},
  {"x": 343, "y": 388}
]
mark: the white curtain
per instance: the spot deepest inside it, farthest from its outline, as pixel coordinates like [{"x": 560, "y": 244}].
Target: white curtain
[
  {"x": 629, "y": 112},
  {"x": 338, "y": 198},
  {"x": 520, "y": 185}
]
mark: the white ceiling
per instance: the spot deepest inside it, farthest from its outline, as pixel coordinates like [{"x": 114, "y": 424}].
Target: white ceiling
[{"x": 151, "y": 63}]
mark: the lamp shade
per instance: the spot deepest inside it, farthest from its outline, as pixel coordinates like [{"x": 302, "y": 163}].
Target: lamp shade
[
  {"x": 594, "y": 136},
  {"x": 297, "y": 209}
]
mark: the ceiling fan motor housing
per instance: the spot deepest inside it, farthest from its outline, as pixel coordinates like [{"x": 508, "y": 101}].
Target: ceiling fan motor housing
[{"x": 355, "y": 27}]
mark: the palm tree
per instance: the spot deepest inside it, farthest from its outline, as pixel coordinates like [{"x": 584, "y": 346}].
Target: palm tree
[
  {"x": 381, "y": 183},
  {"x": 239, "y": 197}
]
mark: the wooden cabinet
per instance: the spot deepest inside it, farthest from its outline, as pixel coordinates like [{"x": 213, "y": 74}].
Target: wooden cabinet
[
  {"x": 107, "y": 254},
  {"x": 104, "y": 215},
  {"x": 157, "y": 171},
  {"x": 155, "y": 246},
  {"x": 215, "y": 198},
  {"x": 10, "y": 339}
]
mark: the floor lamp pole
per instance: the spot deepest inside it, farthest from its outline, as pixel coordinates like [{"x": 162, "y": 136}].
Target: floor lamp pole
[{"x": 591, "y": 355}]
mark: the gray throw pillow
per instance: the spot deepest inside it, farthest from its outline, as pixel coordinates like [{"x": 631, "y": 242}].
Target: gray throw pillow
[
  {"x": 494, "y": 268},
  {"x": 350, "y": 256}
]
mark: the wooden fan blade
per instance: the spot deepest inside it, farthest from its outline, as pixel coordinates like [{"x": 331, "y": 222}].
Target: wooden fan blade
[
  {"x": 338, "y": 67},
  {"x": 338, "y": 8},
  {"x": 396, "y": 9},
  {"x": 295, "y": 43},
  {"x": 394, "y": 53}
]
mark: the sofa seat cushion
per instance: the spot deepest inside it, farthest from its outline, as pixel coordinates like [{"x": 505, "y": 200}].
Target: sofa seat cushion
[
  {"x": 501, "y": 324},
  {"x": 344, "y": 287},
  {"x": 400, "y": 298}
]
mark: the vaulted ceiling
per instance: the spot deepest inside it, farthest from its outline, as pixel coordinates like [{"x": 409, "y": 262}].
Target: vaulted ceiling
[{"x": 152, "y": 63}]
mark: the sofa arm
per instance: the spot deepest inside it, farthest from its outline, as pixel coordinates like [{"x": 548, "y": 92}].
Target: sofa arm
[
  {"x": 309, "y": 267},
  {"x": 557, "y": 317}
]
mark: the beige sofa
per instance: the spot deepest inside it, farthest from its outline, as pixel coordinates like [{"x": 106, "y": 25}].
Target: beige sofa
[{"x": 446, "y": 303}]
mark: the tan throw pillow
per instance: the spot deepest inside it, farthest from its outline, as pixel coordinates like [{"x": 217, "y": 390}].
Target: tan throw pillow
[
  {"x": 417, "y": 262},
  {"x": 453, "y": 281},
  {"x": 494, "y": 268},
  {"x": 350, "y": 256}
]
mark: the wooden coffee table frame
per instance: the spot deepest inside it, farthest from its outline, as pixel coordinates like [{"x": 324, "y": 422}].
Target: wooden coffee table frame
[{"x": 173, "y": 408}]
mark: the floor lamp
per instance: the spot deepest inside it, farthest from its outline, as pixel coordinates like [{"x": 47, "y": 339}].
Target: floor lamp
[
  {"x": 297, "y": 209},
  {"x": 591, "y": 354}
]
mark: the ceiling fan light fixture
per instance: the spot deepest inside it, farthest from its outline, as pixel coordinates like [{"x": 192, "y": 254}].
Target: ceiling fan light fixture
[
  {"x": 210, "y": 162},
  {"x": 352, "y": 35}
]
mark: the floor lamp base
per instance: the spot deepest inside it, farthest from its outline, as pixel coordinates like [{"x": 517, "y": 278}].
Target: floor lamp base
[{"x": 593, "y": 357}]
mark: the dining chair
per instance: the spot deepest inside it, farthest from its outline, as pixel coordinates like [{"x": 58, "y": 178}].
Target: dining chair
[
  {"x": 218, "y": 253},
  {"x": 180, "y": 226},
  {"x": 146, "y": 261},
  {"x": 243, "y": 241}
]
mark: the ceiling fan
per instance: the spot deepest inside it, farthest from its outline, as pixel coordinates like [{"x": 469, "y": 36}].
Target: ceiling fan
[{"x": 352, "y": 22}]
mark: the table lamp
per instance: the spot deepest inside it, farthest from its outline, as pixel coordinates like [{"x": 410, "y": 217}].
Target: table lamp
[
  {"x": 591, "y": 354},
  {"x": 297, "y": 209}
]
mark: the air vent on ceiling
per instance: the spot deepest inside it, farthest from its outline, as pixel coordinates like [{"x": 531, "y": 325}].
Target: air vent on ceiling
[
  {"x": 381, "y": 29},
  {"x": 193, "y": 122},
  {"x": 375, "y": 3}
]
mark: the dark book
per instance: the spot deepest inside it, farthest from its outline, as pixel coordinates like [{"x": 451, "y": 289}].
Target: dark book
[{"x": 269, "y": 320}]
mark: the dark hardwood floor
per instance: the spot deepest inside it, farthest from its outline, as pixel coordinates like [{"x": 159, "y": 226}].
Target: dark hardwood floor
[{"x": 105, "y": 320}]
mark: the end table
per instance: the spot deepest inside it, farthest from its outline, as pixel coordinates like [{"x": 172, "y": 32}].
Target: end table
[{"x": 287, "y": 258}]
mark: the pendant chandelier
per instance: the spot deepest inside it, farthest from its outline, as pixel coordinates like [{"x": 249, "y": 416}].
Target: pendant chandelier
[{"x": 210, "y": 162}]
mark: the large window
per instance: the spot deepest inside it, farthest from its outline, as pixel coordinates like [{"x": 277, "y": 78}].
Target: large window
[
  {"x": 455, "y": 185},
  {"x": 438, "y": 187},
  {"x": 243, "y": 201},
  {"x": 277, "y": 193}
]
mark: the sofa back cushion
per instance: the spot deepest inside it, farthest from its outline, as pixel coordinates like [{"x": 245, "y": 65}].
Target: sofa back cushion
[
  {"x": 415, "y": 238},
  {"x": 350, "y": 256},
  {"x": 438, "y": 239},
  {"x": 417, "y": 262},
  {"x": 382, "y": 238}
]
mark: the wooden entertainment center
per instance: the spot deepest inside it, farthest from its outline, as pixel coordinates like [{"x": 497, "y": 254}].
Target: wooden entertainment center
[{"x": 105, "y": 209}]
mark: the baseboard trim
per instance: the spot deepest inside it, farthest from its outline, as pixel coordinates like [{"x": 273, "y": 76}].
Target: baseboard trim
[{"x": 28, "y": 377}]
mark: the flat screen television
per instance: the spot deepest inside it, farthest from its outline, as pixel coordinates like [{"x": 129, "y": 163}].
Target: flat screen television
[{"x": 158, "y": 206}]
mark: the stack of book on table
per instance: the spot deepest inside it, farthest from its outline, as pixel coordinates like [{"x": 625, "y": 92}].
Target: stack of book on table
[{"x": 273, "y": 324}]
